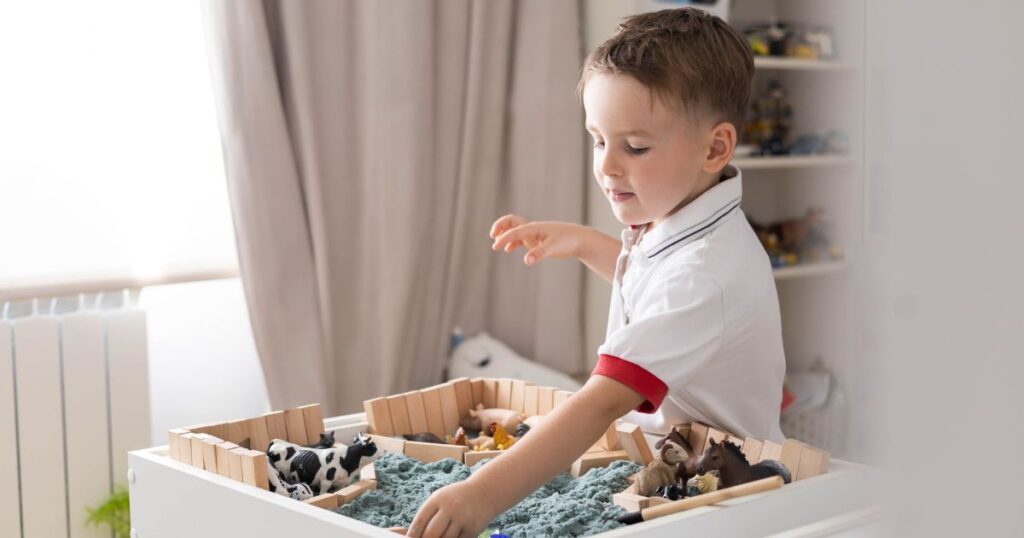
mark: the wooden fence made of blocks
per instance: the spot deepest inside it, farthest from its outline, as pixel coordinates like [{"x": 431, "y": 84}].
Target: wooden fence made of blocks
[
  {"x": 803, "y": 460},
  {"x": 439, "y": 409},
  {"x": 237, "y": 449}
]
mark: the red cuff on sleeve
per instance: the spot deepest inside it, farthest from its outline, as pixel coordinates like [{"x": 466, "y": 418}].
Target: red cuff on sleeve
[{"x": 634, "y": 377}]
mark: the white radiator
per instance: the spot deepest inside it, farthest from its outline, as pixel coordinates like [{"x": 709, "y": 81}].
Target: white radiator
[{"x": 74, "y": 399}]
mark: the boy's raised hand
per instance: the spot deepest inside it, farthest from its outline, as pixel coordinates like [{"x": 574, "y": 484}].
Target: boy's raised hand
[{"x": 541, "y": 239}]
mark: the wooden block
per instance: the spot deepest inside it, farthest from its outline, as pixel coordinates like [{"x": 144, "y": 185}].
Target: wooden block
[
  {"x": 632, "y": 439},
  {"x": 234, "y": 456},
  {"x": 417, "y": 415},
  {"x": 259, "y": 433},
  {"x": 432, "y": 408},
  {"x": 518, "y": 395},
  {"x": 389, "y": 444},
  {"x": 610, "y": 439},
  {"x": 697, "y": 437},
  {"x": 791, "y": 449},
  {"x": 463, "y": 396},
  {"x": 738, "y": 441},
  {"x": 717, "y": 435},
  {"x": 313, "y": 417},
  {"x": 219, "y": 429},
  {"x": 655, "y": 501},
  {"x": 254, "y": 469},
  {"x": 631, "y": 501},
  {"x": 399, "y": 415},
  {"x": 545, "y": 400},
  {"x": 185, "y": 448},
  {"x": 428, "y": 452},
  {"x": 490, "y": 393},
  {"x": 348, "y": 493},
  {"x": 295, "y": 423},
  {"x": 530, "y": 400},
  {"x": 504, "y": 397},
  {"x": 196, "y": 444},
  {"x": 813, "y": 462},
  {"x": 378, "y": 416},
  {"x": 752, "y": 449},
  {"x": 477, "y": 389},
  {"x": 367, "y": 472},
  {"x": 591, "y": 460},
  {"x": 770, "y": 451},
  {"x": 209, "y": 451},
  {"x": 683, "y": 429},
  {"x": 238, "y": 433},
  {"x": 326, "y": 500},
  {"x": 449, "y": 408},
  {"x": 223, "y": 462},
  {"x": 561, "y": 396},
  {"x": 173, "y": 447},
  {"x": 276, "y": 427},
  {"x": 471, "y": 457}
]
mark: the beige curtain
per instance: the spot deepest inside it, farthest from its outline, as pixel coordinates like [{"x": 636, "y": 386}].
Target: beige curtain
[{"x": 368, "y": 147}]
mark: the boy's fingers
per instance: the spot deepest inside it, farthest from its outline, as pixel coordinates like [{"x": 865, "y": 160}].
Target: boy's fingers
[
  {"x": 534, "y": 255},
  {"x": 437, "y": 526},
  {"x": 508, "y": 236},
  {"x": 502, "y": 224},
  {"x": 423, "y": 517}
]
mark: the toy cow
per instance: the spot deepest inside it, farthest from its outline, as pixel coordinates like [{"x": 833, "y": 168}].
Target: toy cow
[
  {"x": 322, "y": 469},
  {"x": 280, "y": 485}
]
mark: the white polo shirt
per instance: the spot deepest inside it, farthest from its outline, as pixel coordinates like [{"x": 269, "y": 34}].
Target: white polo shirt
[{"x": 694, "y": 320}]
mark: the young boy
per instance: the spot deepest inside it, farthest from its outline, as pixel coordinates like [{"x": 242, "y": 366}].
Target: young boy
[{"x": 693, "y": 329}]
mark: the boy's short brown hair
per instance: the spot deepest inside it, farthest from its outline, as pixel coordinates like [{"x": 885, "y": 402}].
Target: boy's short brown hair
[{"x": 692, "y": 59}]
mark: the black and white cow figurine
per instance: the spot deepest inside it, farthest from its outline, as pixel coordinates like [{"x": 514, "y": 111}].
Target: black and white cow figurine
[
  {"x": 280, "y": 485},
  {"x": 322, "y": 469}
]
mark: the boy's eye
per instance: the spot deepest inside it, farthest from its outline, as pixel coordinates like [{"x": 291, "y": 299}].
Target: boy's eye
[
  {"x": 636, "y": 151},
  {"x": 598, "y": 144}
]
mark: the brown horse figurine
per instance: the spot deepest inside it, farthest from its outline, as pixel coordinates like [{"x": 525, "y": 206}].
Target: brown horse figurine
[{"x": 733, "y": 468}]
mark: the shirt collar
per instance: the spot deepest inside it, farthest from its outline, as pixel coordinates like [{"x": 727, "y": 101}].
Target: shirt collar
[{"x": 697, "y": 217}]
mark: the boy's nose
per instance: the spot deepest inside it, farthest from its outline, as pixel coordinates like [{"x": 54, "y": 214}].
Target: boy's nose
[{"x": 610, "y": 165}]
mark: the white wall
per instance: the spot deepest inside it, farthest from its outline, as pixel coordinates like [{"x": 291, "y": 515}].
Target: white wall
[{"x": 203, "y": 365}]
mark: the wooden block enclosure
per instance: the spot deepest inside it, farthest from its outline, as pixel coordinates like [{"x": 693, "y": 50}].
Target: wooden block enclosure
[
  {"x": 803, "y": 460},
  {"x": 439, "y": 409}
]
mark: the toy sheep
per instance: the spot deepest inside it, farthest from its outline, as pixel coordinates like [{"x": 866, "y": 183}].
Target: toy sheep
[{"x": 661, "y": 471}]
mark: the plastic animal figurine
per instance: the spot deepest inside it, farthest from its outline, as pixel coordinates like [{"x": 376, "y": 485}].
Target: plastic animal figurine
[
  {"x": 279, "y": 485},
  {"x": 425, "y": 437},
  {"x": 480, "y": 417},
  {"x": 671, "y": 492},
  {"x": 733, "y": 467},
  {"x": 326, "y": 441},
  {"x": 661, "y": 471},
  {"x": 502, "y": 440},
  {"x": 688, "y": 468},
  {"x": 481, "y": 442},
  {"x": 320, "y": 468},
  {"x": 522, "y": 429},
  {"x": 702, "y": 483},
  {"x": 458, "y": 439}
]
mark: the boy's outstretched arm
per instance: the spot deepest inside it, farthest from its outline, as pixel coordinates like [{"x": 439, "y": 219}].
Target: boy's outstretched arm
[
  {"x": 465, "y": 508},
  {"x": 549, "y": 239}
]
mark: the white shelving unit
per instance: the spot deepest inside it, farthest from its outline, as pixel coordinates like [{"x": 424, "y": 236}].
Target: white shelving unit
[{"x": 791, "y": 161}]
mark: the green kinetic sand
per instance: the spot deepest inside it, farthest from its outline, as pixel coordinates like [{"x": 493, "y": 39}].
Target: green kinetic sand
[{"x": 563, "y": 507}]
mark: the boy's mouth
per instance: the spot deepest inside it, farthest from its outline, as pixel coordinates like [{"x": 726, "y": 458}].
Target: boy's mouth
[{"x": 620, "y": 196}]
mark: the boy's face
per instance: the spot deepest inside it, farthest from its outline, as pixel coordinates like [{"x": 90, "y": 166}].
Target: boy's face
[{"x": 648, "y": 158}]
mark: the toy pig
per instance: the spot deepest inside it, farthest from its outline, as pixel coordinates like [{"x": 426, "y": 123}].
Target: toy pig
[{"x": 479, "y": 418}]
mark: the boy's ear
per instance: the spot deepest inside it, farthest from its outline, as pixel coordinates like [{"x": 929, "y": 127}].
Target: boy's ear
[{"x": 721, "y": 146}]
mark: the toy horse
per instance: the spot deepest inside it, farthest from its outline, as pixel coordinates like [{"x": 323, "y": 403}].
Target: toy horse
[{"x": 733, "y": 468}]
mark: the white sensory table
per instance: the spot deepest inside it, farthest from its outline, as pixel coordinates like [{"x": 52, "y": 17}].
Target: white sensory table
[{"x": 173, "y": 500}]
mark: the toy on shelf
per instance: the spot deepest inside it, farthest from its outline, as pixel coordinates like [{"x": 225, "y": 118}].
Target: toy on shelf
[
  {"x": 800, "y": 240},
  {"x": 661, "y": 471},
  {"x": 702, "y": 483},
  {"x": 733, "y": 467},
  {"x": 769, "y": 121},
  {"x": 793, "y": 41},
  {"x": 322, "y": 469}
]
